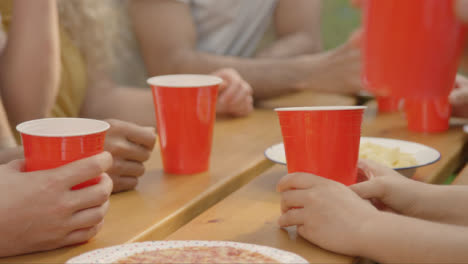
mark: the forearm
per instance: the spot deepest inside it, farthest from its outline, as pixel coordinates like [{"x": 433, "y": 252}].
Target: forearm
[
  {"x": 297, "y": 44},
  {"x": 391, "y": 238},
  {"x": 268, "y": 77},
  {"x": 445, "y": 204},
  {"x": 30, "y": 63},
  {"x": 124, "y": 103}
]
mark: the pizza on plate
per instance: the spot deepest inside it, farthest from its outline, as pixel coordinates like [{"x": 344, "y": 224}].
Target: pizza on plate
[{"x": 218, "y": 254}]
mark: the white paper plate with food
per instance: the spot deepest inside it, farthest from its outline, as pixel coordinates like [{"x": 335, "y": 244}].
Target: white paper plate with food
[
  {"x": 403, "y": 156},
  {"x": 188, "y": 252}
]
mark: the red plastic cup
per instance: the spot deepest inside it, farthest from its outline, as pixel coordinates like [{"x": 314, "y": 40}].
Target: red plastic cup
[
  {"x": 322, "y": 140},
  {"x": 428, "y": 115},
  {"x": 411, "y": 48},
  {"x": 185, "y": 113},
  {"x": 53, "y": 142},
  {"x": 388, "y": 104}
]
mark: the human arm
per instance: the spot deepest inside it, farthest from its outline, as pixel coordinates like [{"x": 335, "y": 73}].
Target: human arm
[
  {"x": 167, "y": 52},
  {"x": 444, "y": 204},
  {"x": 332, "y": 216},
  {"x": 105, "y": 99},
  {"x": 297, "y": 26},
  {"x": 41, "y": 212},
  {"x": 30, "y": 62}
]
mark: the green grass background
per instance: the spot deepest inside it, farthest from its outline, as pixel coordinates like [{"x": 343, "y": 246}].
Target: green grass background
[{"x": 339, "y": 20}]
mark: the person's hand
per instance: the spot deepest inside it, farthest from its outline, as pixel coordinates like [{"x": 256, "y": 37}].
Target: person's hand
[
  {"x": 326, "y": 213},
  {"x": 40, "y": 211},
  {"x": 130, "y": 145},
  {"x": 336, "y": 71},
  {"x": 459, "y": 97},
  {"x": 235, "y": 95},
  {"x": 390, "y": 190}
]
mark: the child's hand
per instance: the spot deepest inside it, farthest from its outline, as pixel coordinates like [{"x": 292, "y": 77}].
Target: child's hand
[
  {"x": 388, "y": 187},
  {"x": 325, "y": 212}
]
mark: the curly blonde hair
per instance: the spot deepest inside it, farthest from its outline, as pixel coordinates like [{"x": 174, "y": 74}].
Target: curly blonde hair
[{"x": 102, "y": 31}]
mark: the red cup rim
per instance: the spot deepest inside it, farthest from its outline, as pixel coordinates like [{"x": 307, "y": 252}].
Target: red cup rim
[
  {"x": 62, "y": 127},
  {"x": 184, "y": 81},
  {"x": 320, "y": 108}
]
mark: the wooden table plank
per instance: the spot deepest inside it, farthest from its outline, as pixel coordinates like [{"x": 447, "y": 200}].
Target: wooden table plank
[
  {"x": 462, "y": 178},
  {"x": 163, "y": 203},
  {"x": 250, "y": 215}
]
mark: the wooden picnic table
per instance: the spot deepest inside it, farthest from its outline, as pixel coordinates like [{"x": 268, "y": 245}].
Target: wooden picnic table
[
  {"x": 163, "y": 203},
  {"x": 250, "y": 214}
]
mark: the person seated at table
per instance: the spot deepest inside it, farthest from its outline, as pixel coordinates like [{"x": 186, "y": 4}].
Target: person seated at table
[
  {"x": 216, "y": 33},
  {"x": 42, "y": 74},
  {"x": 40, "y": 211},
  {"x": 418, "y": 223},
  {"x": 68, "y": 77},
  {"x": 117, "y": 70}
]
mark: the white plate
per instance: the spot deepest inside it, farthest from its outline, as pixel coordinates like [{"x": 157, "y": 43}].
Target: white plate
[
  {"x": 423, "y": 154},
  {"x": 113, "y": 254},
  {"x": 465, "y": 128}
]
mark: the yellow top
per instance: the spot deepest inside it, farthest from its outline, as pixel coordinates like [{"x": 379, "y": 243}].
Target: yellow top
[{"x": 73, "y": 79}]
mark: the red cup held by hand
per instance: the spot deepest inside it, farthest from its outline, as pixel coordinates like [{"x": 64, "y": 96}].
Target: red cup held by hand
[
  {"x": 53, "y": 142},
  {"x": 322, "y": 140}
]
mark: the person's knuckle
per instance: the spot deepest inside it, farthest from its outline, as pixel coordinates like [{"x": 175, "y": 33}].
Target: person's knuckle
[
  {"x": 139, "y": 170},
  {"x": 117, "y": 148}
]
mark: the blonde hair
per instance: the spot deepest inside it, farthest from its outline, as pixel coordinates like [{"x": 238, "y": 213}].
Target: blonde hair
[{"x": 102, "y": 30}]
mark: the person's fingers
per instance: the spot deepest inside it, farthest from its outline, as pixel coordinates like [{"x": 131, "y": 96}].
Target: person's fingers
[
  {"x": 89, "y": 217},
  {"x": 226, "y": 75},
  {"x": 229, "y": 94},
  {"x": 461, "y": 10},
  {"x": 373, "y": 169},
  {"x": 17, "y": 165},
  {"x": 92, "y": 196},
  {"x": 126, "y": 167},
  {"x": 293, "y": 217},
  {"x": 82, "y": 235},
  {"x": 125, "y": 184},
  {"x": 368, "y": 190},
  {"x": 299, "y": 181},
  {"x": 82, "y": 170},
  {"x": 293, "y": 199},
  {"x": 240, "y": 98},
  {"x": 124, "y": 149},
  {"x": 144, "y": 136}
]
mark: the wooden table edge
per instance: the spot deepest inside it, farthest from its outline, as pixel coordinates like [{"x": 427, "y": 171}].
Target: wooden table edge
[{"x": 201, "y": 203}]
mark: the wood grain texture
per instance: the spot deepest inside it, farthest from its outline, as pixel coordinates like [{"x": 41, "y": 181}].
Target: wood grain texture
[
  {"x": 164, "y": 203},
  {"x": 250, "y": 215}
]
